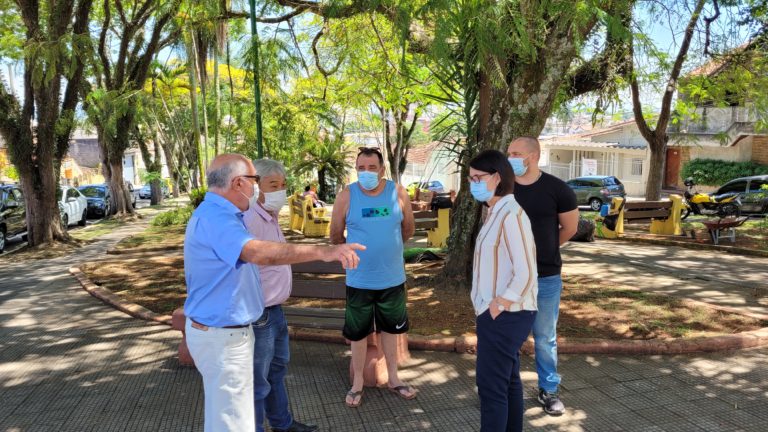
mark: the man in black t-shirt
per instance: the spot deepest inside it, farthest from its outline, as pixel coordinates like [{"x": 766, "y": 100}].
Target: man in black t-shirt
[{"x": 551, "y": 207}]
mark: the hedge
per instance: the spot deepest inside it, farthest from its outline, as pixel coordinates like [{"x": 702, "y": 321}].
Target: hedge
[
  {"x": 176, "y": 217},
  {"x": 714, "y": 172}
]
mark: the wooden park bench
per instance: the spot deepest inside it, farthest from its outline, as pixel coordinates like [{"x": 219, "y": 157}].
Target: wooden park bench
[
  {"x": 329, "y": 287},
  {"x": 724, "y": 228},
  {"x": 665, "y": 216},
  {"x": 307, "y": 219}
]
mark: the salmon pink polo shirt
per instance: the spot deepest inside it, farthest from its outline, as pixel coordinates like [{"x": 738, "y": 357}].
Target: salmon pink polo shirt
[{"x": 275, "y": 279}]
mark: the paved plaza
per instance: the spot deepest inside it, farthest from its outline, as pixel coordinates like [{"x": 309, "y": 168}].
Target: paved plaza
[{"x": 70, "y": 363}]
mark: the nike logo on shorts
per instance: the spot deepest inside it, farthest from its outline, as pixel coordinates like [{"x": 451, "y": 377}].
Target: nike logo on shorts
[{"x": 398, "y": 327}]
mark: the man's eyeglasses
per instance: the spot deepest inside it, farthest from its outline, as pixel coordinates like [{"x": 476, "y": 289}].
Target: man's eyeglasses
[
  {"x": 477, "y": 178},
  {"x": 254, "y": 177}
]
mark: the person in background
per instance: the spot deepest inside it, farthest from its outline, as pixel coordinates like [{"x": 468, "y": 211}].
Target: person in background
[
  {"x": 271, "y": 349},
  {"x": 503, "y": 294},
  {"x": 377, "y": 213},
  {"x": 224, "y": 294},
  {"x": 311, "y": 191},
  {"x": 551, "y": 207}
]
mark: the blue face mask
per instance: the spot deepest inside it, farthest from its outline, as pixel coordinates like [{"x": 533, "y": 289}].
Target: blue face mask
[
  {"x": 480, "y": 191},
  {"x": 518, "y": 166},
  {"x": 368, "y": 180}
]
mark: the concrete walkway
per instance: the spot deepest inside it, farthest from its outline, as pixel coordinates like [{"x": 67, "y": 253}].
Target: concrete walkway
[
  {"x": 715, "y": 277},
  {"x": 69, "y": 363}
]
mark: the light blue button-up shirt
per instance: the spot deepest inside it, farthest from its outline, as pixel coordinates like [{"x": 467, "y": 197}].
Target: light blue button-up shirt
[{"x": 222, "y": 290}]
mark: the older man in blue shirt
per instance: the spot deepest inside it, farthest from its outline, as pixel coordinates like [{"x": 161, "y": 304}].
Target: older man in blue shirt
[{"x": 224, "y": 293}]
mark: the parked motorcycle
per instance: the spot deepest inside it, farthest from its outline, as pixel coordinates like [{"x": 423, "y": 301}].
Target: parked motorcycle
[{"x": 727, "y": 204}]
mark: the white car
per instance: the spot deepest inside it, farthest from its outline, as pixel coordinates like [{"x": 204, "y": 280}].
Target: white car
[{"x": 73, "y": 206}]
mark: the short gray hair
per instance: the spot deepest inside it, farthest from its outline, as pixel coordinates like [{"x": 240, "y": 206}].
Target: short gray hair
[
  {"x": 268, "y": 167},
  {"x": 222, "y": 177}
]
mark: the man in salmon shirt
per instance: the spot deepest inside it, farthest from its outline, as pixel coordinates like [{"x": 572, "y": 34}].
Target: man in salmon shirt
[{"x": 270, "y": 331}]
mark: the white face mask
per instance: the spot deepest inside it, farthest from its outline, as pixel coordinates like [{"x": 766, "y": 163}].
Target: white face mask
[
  {"x": 253, "y": 200},
  {"x": 274, "y": 201}
]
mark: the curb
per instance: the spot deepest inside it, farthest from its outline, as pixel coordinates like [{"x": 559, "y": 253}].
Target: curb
[
  {"x": 129, "y": 251},
  {"x": 468, "y": 344},
  {"x": 115, "y": 301}
]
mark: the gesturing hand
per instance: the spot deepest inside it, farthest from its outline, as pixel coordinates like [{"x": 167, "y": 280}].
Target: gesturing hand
[{"x": 345, "y": 254}]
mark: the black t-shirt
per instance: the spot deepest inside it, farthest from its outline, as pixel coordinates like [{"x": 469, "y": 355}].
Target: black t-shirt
[{"x": 543, "y": 201}]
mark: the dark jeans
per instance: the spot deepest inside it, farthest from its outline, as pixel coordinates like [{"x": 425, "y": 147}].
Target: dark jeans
[
  {"x": 270, "y": 364},
  {"x": 498, "y": 369}
]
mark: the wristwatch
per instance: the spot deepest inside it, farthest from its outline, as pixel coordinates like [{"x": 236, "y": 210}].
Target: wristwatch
[{"x": 501, "y": 306}]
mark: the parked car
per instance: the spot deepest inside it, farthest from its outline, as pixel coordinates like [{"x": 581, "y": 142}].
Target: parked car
[
  {"x": 146, "y": 191},
  {"x": 13, "y": 213},
  {"x": 432, "y": 185},
  {"x": 132, "y": 192},
  {"x": 98, "y": 197},
  {"x": 596, "y": 190},
  {"x": 73, "y": 205},
  {"x": 753, "y": 198}
]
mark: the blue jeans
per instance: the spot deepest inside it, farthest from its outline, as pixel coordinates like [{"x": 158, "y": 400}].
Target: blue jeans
[
  {"x": 498, "y": 369},
  {"x": 270, "y": 364},
  {"x": 545, "y": 332}
]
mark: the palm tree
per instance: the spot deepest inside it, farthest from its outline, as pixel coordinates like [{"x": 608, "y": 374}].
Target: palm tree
[{"x": 330, "y": 159}]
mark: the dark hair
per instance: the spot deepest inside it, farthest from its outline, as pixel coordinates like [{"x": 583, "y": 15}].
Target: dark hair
[
  {"x": 494, "y": 161},
  {"x": 306, "y": 189},
  {"x": 367, "y": 151}
]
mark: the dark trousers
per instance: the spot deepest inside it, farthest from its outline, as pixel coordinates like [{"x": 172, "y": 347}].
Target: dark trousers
[{"x": 498, "y": 369}]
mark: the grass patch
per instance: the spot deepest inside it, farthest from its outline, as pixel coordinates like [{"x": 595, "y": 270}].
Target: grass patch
[
  {"x": 154, "y": 236},
  {"x": 616, "y": 312},
  {"x": 411, "y": 254},
  {"x": 589, "y": 308},
  {"x": 103, "y": 227}
]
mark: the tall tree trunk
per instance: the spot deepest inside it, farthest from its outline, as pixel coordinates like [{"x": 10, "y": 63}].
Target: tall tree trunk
[
  {"x": 322, "y": 190},
  {"x": 518, "y": 108},
  {"x": 172, "y": 167},
  {"x": 193, "y": 101},
  {"x": 657, "y": 137},
  {"x": 658, "y": 149},
  {"x": 217, "y": 95},
  {"x": 36, "y": 152}
]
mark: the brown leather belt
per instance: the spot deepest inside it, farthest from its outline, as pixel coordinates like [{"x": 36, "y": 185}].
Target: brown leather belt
[{"x": 204, "y": 327}]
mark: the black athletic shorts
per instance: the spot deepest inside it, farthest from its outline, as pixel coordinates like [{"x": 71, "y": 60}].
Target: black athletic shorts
[{"x": 385, "y": 308}]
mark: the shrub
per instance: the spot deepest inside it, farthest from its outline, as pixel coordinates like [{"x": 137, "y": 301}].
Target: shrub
[
  {"x": 717, "y": 172},
  {"x": 179, "y": 216},
  {"x": 196, "y": 196}
]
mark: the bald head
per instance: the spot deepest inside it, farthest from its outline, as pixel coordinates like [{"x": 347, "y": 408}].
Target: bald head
[
  {"x": 529, "y": 144},
  {"x": 226, "y": 167}
]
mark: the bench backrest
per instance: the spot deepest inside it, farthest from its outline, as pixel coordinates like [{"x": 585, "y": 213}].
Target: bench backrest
[
  {"x": 647, "y": 209},
  {"x": 298, "y": 206},
  {"x": 425, "y": 220}
]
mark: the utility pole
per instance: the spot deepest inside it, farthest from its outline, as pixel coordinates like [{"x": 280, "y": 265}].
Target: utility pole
[{"x": 256, "y": 78}]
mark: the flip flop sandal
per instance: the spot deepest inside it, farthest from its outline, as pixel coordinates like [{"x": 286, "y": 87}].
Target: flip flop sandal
[
  {"x": 410, "y": 392},
  {"x": 354, "y": 395}
]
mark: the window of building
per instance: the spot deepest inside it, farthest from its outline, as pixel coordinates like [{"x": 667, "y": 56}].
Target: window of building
[{"x": 637, "y": 167}]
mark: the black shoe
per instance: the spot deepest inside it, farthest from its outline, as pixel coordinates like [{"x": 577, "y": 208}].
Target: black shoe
[
  {"x": 297, "y": 427},
  {"x": 551, "y": 403}
]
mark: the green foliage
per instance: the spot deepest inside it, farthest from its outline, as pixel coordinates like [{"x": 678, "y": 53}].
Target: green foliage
[
  {"x": 11, "y": 31},
  {"x": 196, "y": 196},
  {"x": 410, "y": 254},
  {"x": 12, "y": 173},
  {"x": 176, "y": 217},
  {"x": 149, "y": 176},
  {"x": 717, "y": 172}
]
